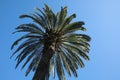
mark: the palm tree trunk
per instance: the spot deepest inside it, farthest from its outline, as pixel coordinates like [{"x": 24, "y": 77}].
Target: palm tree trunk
[{"x": 43, "y": 66}]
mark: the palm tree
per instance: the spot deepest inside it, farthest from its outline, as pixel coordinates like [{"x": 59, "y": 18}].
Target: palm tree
[{"x": 51, "y": 44}]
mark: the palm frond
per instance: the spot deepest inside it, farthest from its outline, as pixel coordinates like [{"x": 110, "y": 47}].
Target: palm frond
[
  {"x": 75, "y": 57},
  {"x": 30, "y": 28},
  {"x": 59, "y": 68},
  {"x": 52, "y": 65},
  {"x": 66, "y": 22},
  {"x": 26, "y": 51},
  {"x": 61, "y": 15},
  {"x": 37, "y": 52},
  {"x": 73, "y": 27},
  {"x": 69, "y": 60},
  {"x": 35, "y": 19},
  {"x": 29, "y": 35},
  {"x": 33, "y": 63},
  {"x": 77, "y": 37},
  {"x": 77, "y": 50}
]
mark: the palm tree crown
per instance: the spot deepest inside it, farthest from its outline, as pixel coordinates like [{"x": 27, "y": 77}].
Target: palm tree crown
[{"x": 52, "y": 44}]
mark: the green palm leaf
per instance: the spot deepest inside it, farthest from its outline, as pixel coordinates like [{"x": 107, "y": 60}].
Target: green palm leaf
[
  {"x": 66, "y": 22},
  {"x": 74, "y": 27},
  {"x": 59, "y": 68},
  {"x": 60, "y": 17}
]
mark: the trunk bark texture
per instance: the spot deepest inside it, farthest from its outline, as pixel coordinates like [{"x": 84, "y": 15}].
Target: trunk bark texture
[{"x": 43, "y": 66}]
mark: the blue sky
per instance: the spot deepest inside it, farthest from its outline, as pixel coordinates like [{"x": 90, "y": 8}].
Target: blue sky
[{"x": 102, "y": 20}]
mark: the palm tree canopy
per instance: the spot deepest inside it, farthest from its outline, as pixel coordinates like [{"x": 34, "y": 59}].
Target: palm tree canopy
[{"x": 52, "y": 38}]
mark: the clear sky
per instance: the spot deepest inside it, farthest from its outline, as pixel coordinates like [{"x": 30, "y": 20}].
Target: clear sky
[{"x": 102, "y": 20}]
